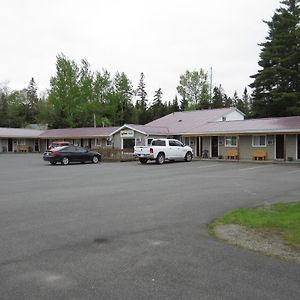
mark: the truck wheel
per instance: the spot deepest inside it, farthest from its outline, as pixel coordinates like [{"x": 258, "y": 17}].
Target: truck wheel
[
  {"x": 188, "y": 157},
  {"x": 160, "y": 159},
  {"x": 143, "y": 160}
]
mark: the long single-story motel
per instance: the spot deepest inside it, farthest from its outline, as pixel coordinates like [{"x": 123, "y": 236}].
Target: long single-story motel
[{"x": 215, "y": 133}]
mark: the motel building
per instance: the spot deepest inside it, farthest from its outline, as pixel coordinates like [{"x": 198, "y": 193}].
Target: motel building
[{"x": 212, "y": 134}]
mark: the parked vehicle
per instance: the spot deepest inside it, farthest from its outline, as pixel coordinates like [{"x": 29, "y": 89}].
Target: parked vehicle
[
  {"x": 58, "y": 144},
  {"x": 161, "y": 150},
  {"x": 67, "y": 154}
]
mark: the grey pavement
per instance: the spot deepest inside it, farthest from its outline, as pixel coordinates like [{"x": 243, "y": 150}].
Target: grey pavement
[{"x": 132, "y": 231}]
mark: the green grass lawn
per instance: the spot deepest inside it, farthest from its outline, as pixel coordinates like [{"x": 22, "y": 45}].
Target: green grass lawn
[{"x": 281, "y": 218}]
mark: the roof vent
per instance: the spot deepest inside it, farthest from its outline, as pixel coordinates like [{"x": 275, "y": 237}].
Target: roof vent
[{"x": 179, "y": 120}]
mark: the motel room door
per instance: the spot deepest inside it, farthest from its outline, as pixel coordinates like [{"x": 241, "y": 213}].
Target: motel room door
[
  {"x": 280, "y": 146},
  {"x": 214, "y": 146}
]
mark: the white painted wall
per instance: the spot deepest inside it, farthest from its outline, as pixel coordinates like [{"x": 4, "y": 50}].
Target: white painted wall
[{"x": 232, "y": 116}]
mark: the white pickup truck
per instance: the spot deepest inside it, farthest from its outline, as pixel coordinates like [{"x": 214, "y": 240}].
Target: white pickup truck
[{"x": 162, "y": 150}]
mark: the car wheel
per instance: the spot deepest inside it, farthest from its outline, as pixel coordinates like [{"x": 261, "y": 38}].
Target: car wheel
[
  {"x": 143, "y": 160},
  {"x": 95, "y": 159},
  {"x": 160, "y": 159},
  {"x": 65, "y": 161},
  {"x": 53, "y": 162},
  {"x": 188, "y": 157}
]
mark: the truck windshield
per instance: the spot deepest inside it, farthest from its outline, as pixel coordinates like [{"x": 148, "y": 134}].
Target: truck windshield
[{"x": 158, "y": 143}]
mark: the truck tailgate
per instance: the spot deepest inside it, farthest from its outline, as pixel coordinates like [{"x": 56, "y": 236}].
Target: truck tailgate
[{"x": 141, "y": 150}]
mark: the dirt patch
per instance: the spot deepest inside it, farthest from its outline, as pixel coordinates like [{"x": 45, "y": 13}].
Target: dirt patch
[{"x": 266, "y": 243}]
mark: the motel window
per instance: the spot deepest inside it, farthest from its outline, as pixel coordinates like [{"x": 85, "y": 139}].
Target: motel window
[
  {"x": 108, "y": 142},
  {"x": 98, "y": 142},
  {"x": 259, "y": 141},
  {"x": 230, "y": 141},
  {"x": 21, "y": 142}
]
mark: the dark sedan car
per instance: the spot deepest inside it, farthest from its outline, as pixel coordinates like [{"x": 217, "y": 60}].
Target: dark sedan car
[{"x": 67, "y": 154}]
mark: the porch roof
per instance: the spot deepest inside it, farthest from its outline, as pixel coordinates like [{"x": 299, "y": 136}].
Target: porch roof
[
  {"x": 19, "y": 133},
  {"x": 88, "y": 132}
]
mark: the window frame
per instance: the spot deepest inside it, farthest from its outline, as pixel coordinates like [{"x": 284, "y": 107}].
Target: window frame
[
  {"x": 231, "y": 145},
  {"x": 108, "y": 142},
  {"x": 260, "y": 145}
]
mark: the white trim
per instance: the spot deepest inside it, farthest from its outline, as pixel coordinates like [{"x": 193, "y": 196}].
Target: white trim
[
  {"x": 259, "y": 146},
  {"x": 127, "y": 126}
]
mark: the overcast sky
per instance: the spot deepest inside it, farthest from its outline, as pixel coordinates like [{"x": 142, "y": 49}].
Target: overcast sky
[{"x": 162, "y": 38}]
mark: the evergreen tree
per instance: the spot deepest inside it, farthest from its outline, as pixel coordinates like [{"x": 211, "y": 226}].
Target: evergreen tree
[
  {"x": 31, "y": 102},
  {"x": 184, "y": 104},
  {"x": 175, "y": 106},
  {"x": 227, "y": 101},
  {"x": 235, "y": 99},
  {"x": 3, "y": 110},
  {"x": 142, "y": 101},
  {"x": 238, "y": 102},
  {"x": 141, "y": 93},
  {"x": 218, "y": 97},
  {"x": 247, "y": 102},
  {"x": 157, "y": 109},
  {"x": 277, "y": 85}
]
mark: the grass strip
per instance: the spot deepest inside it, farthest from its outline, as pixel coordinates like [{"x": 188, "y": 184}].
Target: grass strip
[{"x": 281, "y": 218}]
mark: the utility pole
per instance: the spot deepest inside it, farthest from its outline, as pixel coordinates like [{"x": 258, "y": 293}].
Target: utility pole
[
  {"x": 210, "y": 84},
  {"x": 94, "y": 120}
]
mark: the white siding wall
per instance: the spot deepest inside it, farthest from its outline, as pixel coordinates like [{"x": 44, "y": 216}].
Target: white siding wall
[{"x": 233, "y": 116}]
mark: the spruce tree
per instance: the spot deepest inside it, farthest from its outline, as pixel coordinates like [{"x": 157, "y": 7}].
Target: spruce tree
[
  {"x": 32, "y": 100},
  {"x": 218, "y": 97},
  {"x": 158, "y": 109},
  {"x": 277, "y": 84},
  {"x": 141, "y": 92}
]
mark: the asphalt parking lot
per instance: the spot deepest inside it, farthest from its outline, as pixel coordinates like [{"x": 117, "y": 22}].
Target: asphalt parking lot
[{"x": 132, "y": 231}]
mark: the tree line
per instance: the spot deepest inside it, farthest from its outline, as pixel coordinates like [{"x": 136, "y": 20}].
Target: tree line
[{"x": 80, "y": 97}]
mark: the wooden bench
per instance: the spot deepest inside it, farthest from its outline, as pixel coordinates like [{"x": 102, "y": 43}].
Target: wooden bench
[
  {"x": 232, "y": 154},
  {"x": 23, "y": 148},
  {"x": 259, "y": 154}
]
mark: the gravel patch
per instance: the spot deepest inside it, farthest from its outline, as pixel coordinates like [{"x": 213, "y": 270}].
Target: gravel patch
[{"x": 264, "y": 242}]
